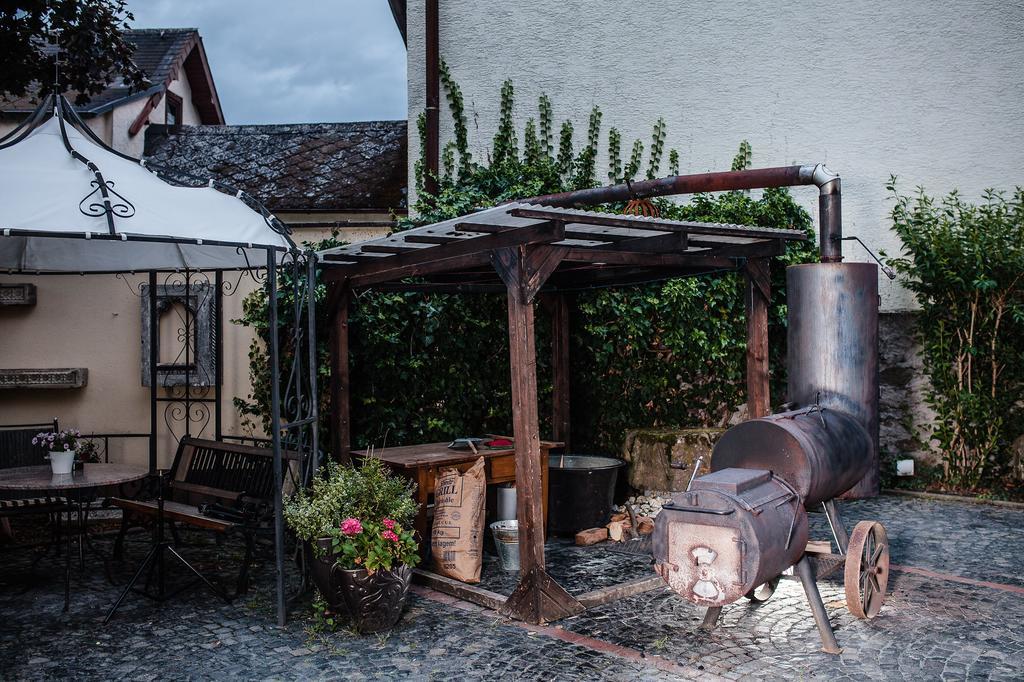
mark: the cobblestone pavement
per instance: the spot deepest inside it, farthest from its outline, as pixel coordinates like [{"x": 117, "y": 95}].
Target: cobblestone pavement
[{"x": 956, "y": 611}]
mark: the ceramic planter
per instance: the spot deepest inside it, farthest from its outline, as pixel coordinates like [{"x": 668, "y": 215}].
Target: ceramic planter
[
  {"x": 372, "y": 602},
  {"x": 62, "y": 462}
]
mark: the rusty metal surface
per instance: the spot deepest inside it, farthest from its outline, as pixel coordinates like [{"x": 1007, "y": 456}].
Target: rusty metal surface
[
  {"x": 832, "y": 355},
  {"x": 866, "y": 572},
  {"x": 785, "y": 176},
  {"x": 825, "y": 565},
  {"x": 733, "y": 531},
  {"x": 818, "y": 451}
]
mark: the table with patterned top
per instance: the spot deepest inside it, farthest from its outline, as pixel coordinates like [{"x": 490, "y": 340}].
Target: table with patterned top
[{"x": 76, "y": 488}]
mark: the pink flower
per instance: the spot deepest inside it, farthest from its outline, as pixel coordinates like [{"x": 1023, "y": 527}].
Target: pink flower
[
  {"x": 351, "y": 527},
  {"x": 389, "y": 535},
  {"x": 389, "y": 524}
]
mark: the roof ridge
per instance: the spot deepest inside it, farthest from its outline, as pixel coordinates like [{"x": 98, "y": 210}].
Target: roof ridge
[
  {"x": 215, "y": 129},
  {"x": 174, "y": 29}
]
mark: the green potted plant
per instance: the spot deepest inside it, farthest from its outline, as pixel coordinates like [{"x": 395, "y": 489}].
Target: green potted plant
[{"x": 356, "y": 524}]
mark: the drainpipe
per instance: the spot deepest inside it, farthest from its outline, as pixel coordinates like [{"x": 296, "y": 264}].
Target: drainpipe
[
  {"x": 829, "y": 198},
  {"x": 433, "y": 92}
]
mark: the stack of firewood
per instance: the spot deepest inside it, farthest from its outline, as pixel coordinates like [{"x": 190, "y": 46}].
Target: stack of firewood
[{"x": 623, "y": 526}]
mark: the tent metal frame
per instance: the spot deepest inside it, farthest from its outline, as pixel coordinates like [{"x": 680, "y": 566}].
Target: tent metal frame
[{"x": 295, "y": 411}]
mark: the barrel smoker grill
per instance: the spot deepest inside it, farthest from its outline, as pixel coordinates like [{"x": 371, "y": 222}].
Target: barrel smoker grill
[{"x": 736, "y": 531}]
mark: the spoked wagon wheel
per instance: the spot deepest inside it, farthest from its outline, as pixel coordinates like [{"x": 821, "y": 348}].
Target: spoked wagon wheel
[
  {"x": 764, "y": 591},
  {"x": 867, "y": 569}
]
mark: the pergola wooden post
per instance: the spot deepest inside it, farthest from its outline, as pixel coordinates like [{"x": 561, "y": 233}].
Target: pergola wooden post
[
  {"x": 537, "y": 598},
  {"x": 561, "y": 406},
  {"x": 339, "y": 298},
  {"x": 758, "y": 297}
]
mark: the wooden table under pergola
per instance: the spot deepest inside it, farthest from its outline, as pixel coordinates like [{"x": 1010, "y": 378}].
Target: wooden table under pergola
[{"x": 527, "y": 251}]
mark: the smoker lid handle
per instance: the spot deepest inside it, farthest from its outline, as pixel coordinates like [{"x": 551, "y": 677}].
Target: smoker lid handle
[{"x": 699, "y": 510}]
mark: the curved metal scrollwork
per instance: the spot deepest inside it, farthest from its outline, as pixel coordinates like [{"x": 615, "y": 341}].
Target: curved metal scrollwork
[
  {"x": 134, "y": 289},
  {"x": 98, "y": 208},
  {"x": 189, "y": 416},
  {"x": 297, "y": 340}
]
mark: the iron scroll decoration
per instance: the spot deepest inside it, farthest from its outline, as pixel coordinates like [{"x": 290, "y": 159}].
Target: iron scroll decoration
[{"x": 96, "y": 209}]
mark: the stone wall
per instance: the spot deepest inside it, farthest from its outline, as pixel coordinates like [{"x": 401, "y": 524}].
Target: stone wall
[
  {"x": 904, "y": 417},
  {"x": 663, "y": 459}
]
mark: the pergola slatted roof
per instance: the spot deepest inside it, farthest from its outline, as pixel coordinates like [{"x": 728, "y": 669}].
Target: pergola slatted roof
[{"x": 592, "y": 249}]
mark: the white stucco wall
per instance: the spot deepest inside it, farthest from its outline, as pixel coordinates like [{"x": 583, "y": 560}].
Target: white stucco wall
[{"x": 929, "y": 92}]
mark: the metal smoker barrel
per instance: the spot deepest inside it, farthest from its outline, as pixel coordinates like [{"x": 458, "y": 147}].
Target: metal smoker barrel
[
  {"x": 832, "y": 355},
  {"x": 822, "y": 453}
]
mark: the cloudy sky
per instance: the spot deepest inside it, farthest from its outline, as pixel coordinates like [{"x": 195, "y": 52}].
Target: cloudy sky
[{"x": 294, "y": 61}]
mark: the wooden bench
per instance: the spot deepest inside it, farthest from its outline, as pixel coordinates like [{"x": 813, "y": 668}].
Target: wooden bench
[{"x": 236, "y": 478}]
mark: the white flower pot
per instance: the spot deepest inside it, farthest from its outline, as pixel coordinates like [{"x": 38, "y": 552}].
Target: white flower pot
[{"x": 62, "y": 462}]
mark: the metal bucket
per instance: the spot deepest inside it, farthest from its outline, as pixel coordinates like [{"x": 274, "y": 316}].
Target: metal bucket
[{"x": 506, "y": 541}]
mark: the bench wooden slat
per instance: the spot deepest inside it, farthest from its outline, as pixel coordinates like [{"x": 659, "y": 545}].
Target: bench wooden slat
[
  {"x": 175, "y": 511},
  {"x": 219, "y": 493}
]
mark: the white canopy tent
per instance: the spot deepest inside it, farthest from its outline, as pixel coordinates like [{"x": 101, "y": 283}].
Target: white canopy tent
[
  {"x": 71, "y": 205},
  {"x": 59, "y": 181}
]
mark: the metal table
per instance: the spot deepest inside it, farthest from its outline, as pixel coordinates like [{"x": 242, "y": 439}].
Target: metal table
[{"x": 77, "y": 488}]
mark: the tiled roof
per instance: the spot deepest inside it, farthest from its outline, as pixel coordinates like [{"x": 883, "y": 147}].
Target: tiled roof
[
  {"x": 158, "y": 51},
  {"x": 315, "y": 166}
]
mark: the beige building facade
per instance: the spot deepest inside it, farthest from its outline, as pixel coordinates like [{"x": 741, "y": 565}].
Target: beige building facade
[{"x": 346, "y": 179}]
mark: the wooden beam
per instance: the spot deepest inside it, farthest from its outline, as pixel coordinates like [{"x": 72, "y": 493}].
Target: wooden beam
[
  {"x": 471, "y": 260},
  {"x": 561, "y": 417},
  {"x": 620, "y": 591},
  {"x": 436, "y": 238},
  {"x": 389, "y": 248},
  {"x": 644, "y": 259},
  {"x": 758, "y": 298},
  {"x": 525, "y": 269},
  {"x": 632, "y": 222},
  {"x": 673, "y": 241},
  {"x": 538, "y": 234},
  {"x": 442, "y": 265},
  {"x": 443, "y": 287},
  {"x": 620, "y": 275},
  {"x": 341, "y": 425},
  {"x": 765, "y": 248},
  {"x": 599, "y": 235},
  {"x": 459, "y": 589}
]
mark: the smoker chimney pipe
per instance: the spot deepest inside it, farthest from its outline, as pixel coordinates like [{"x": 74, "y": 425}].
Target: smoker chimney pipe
[{"x": 829, "y": 199}]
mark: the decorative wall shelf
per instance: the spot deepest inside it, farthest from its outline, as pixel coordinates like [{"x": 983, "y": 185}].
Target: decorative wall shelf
[
  {"x": 72, "y": 377},
  {"x": 17, "y": 294}
]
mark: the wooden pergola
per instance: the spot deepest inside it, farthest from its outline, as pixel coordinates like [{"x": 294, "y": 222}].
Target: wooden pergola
[{"x": 530, "y": 251}]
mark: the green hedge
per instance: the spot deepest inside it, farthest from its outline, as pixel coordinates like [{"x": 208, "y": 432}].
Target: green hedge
[{"x": 965, "y": 265}]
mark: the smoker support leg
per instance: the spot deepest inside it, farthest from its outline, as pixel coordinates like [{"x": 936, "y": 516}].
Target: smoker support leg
[
  {"x": 836, "y": 524},
  {"x": 828, "y": 637},
  {"x": 711, "y": 618}
]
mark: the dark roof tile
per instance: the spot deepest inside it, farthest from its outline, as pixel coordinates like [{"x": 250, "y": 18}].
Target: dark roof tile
[
  {"x": 157, "y": 50},
  {"x": 315, "y": 166}
]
